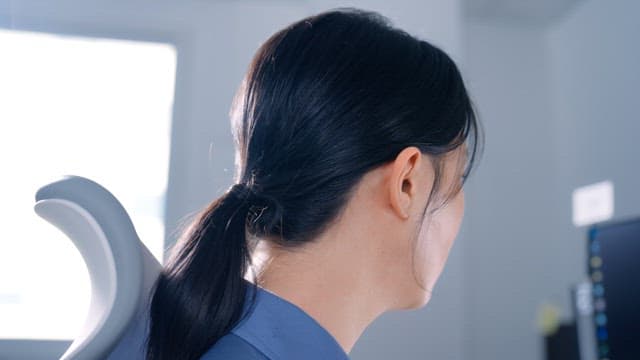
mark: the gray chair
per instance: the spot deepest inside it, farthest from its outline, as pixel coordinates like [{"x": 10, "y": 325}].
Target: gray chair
[{"x": 121, "y": 268}]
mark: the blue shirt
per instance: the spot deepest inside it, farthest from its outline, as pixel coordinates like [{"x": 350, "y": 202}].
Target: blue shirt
[{"x": 276, "y": 329}]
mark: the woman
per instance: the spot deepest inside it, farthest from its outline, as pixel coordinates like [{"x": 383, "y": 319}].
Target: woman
[{"x": 353, "y": 142}]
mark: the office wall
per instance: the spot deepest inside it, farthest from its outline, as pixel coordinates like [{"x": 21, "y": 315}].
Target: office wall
[
  {"x": 595, "y": 76},
  {"x": 509, "y": 207},
  {"x": 557, "y": 100}
]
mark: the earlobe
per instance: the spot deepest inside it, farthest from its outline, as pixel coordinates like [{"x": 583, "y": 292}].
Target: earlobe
[{"x": 402, "y": 180}]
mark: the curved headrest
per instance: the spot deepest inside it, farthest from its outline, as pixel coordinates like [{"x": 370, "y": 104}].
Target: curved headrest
[{"x": 104, "y": 234}]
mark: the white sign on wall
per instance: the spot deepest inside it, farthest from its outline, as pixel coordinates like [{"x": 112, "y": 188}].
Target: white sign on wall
[{"x": 593, "y": 203}]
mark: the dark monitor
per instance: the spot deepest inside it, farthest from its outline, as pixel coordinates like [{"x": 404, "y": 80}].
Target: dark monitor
[{"x": 614, "y": 268}]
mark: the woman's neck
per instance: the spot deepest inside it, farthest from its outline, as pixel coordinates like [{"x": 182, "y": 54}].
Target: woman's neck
[{"x": 338, "y": 292}]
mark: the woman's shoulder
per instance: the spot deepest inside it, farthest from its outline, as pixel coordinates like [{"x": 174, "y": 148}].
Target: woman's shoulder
[{"x": 233, "y": 347}]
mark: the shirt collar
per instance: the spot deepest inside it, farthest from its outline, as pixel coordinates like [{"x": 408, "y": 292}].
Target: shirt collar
[{"x": 281, "y": 330}]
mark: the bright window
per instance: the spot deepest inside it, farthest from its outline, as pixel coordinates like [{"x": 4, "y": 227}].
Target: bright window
[{"x": 97, "y": 108}]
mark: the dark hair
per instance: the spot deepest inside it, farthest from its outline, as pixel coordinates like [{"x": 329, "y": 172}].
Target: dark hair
[{"x": 324, "y": 101}]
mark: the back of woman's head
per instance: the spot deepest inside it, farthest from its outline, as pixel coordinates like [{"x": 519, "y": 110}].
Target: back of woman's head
[{"x": 324, "y": 101}]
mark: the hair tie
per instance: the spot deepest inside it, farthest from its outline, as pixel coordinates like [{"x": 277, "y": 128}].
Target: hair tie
[{"x": 264, "y": 211}]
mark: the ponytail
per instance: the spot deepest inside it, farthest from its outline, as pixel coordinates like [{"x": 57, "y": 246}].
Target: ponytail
[{"x": 199, "y": 296}]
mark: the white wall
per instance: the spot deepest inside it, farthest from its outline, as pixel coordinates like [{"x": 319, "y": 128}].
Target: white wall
[
  {"x": 595, "y": 81},
  {"x": 509, "y": 206},
  {"x": 558, "y": 103}
]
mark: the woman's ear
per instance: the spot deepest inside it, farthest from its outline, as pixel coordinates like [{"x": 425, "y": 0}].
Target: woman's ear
[{"x": 408, "y": 179}]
